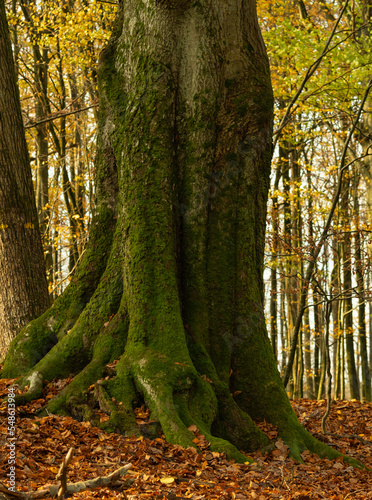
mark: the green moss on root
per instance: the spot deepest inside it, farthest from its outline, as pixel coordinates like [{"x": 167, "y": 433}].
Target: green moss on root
[{"x": 41, "y": 335}]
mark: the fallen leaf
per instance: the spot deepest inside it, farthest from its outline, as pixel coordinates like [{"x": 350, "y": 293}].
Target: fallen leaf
[{"x": 167, "y": 480}]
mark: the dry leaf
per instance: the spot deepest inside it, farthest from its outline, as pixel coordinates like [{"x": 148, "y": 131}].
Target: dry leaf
[{"x": 167, "y": 480}]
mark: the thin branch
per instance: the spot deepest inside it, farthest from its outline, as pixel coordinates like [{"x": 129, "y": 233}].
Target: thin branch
[
  {"x": 62, "y": 474},
  {"x": 71, "y": 488},
  {"x": 60, "y": 114},
  {"x": 333, "y": 80},
  {"x": 69, "y": 274}
]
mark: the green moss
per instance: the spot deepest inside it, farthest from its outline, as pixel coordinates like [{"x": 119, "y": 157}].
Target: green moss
[
  {"x": 121, "y": 388},
  {"x": 76, "y": 390},
  {"x": 121, "y": 421},
  {"x": 230, "y": 82},
  {"x": 232, "y": 453},
  {"x": 74, "y": 351}
]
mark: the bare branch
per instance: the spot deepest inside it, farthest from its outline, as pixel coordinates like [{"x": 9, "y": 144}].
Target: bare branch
[{"x": 60, "y": 114}]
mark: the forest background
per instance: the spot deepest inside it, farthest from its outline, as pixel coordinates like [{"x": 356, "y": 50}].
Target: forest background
[{"x": 322, "y": 161}]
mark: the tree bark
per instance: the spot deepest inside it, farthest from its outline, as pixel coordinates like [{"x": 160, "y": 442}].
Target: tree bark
[
  {"x": 348, "y": 324},
  {"x": 23, "y": 286},
  {"x": 337, "y": 330},
  {"x": 362, "y": 327},
  {"x": 42, "y": 154},
  {"x": 183, "y": 175}
]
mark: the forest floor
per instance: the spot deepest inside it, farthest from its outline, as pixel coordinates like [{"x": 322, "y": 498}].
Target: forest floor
[{"x": 164, "y": 471}]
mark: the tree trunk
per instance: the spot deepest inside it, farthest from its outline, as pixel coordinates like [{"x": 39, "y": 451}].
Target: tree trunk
[
  {"x": 42, "y": 154},
  {"x": 307, "y": 328},
  {"x": 307, "y": 348},
  {"x": 318, "y": 334},
  {"x": 274, "y": 277},
  {"x": 23, "y": 286},
  {"x": 283, "y": 331},
  {"x": 297, "y": 271},
  {"x": 348, "y": 325},
  {"x": 186, "y": 124},
  {"x": 362, "y": 327},
  {"x": 337, "y": 331}
]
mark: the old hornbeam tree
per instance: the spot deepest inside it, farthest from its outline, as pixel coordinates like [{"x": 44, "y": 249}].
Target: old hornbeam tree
[
  {"x": 23, "y": 285},
  {"x": 171, "y": 281}
]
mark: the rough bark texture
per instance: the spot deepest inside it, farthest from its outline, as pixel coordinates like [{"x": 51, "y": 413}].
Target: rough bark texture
[
  {"x": 23, "y": 286},
  {"x": 183, "y": 175}
]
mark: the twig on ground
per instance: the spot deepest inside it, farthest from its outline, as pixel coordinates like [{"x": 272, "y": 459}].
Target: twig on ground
[
  {"x": 84, "y": 485},
  {"x": 62, "y": 474},
  {"x": 283, "y": 479},
  {"x": 110, "y": 480},
  {"x": 353, "y": 493}
]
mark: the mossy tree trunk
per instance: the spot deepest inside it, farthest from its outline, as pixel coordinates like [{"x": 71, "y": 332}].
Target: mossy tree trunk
[{"x": 172, "y": 277}]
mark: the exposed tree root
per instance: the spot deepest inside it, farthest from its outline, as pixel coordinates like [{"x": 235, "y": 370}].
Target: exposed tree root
[
  {"x": 299, "y": 439},
  {"x": 37, "y": 338},
  {"x": 34, "y": 391},
  {"x": 176, "y": 394}
]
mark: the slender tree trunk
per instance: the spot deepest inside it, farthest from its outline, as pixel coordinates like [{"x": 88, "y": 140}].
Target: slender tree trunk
[
  {"x": 324, "y": 350},
  {"x": 77, "y": 165},
  {"x": 307, "y": 355},
  {"x": 42, "y": 153},
  {"x": 23, "y": 286},
  {"x": 283, "y": 330},
  {"x": 297, "y": 265},
  {"x": 318, "y": 333},
  {"x": 362, "y": 330},
  {"x": 343, "y": 391},
  {"x": 348, "y": 302},
  {"x": 307, "y": 328},
  {"x": 69, "y": 193},
  {"x": 337, "y": 336},
  {"x": 337, "y": 371},
  {"x": 289, "y": 279},
  {"x": 274, "y": 278}
]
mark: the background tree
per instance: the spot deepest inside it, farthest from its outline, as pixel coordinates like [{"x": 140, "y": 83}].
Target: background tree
[
  {"x": 315, "y": 137},
  {"x": 171, "y": 280},
  {"x": 23, "y": 286}
]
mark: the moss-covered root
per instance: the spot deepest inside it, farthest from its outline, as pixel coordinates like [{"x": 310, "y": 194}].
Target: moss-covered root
[
  {"x": 35, "y": 381},
  {"x": 176, "y": 431},
  {"x": 178, "y": 398},
  {"x": 122, "y": 417},
  {"x": 108, "y": 346},
  {"x": 76, "y": 391},
  {"x": 76, "y": 349},
  {"x": 299, "y": 439},
  {"x": 234, "y": 425},
  {"x": 38, "y": 337}
]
